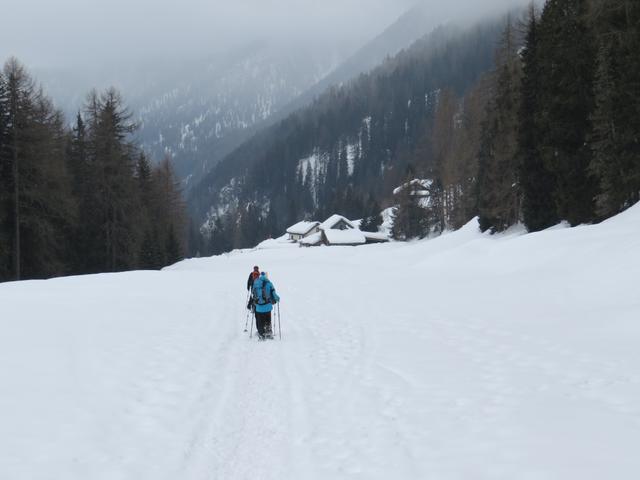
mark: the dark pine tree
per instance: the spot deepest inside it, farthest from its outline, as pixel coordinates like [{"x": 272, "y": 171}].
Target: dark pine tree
[
  {"x": 84, "y": 185},
  {"x": 615, "y": 140},
  {"x": 411, "y": 218},
  {"x": 114, "y": 221},
  {"x": 566, "y": 68},
  {"x": 5, "y": 175},
  {"x": 373, "y": 220},
  {"x": 173, "y": 248},
  {"x": 152, "y": 252},
  {"x": 536, "y": 181},
  {"x": 499, "y": 193},
  {"x": 40, "y": 204}
]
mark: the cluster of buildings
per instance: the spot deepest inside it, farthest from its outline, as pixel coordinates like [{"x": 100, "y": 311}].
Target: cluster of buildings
[{"x": 335, "y": 231}]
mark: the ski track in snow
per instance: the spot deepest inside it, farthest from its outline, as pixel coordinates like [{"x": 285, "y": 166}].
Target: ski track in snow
[{"x": 432, "y": 360}]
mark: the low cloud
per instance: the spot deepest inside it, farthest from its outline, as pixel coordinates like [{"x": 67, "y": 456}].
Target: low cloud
[{"x": 91, "y": 32}]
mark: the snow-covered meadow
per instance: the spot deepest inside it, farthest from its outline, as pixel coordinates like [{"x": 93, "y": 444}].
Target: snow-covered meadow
[{"x": 462, "y": 357}]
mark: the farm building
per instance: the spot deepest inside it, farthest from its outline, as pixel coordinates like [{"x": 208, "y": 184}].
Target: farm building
[
  {"x": 302, "y": 230},
  {"x": 334, "y": 231}
]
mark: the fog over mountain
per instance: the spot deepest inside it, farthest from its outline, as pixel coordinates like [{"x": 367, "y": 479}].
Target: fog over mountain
[
  {"x": 203, "y": 76},
  {"x": 91, "y": 32}
]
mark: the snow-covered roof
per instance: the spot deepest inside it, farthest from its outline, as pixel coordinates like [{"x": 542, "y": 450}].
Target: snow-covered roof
[
  {"x": 376, "y": 236},
  {"x": 312, "y": 239},
  {"x": 333, "y": 220},
  {"x": 345, "y": 237},
  {"x": 302, "y": 228}
]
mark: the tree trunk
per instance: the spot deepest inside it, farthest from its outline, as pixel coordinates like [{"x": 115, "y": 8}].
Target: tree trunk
[{"x": 16, "y": 199}]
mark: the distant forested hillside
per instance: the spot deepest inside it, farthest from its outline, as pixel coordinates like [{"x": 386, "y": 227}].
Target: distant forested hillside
[
  {"x": 532, "y": 118},
  {"x": 350, "y": 147}
]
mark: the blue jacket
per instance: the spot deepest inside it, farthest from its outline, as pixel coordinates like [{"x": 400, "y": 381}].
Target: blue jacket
[{"x": 270, "y": 293}]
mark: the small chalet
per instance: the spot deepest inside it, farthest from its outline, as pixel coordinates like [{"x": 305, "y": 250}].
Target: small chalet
[{"x": 302, "y": 230}]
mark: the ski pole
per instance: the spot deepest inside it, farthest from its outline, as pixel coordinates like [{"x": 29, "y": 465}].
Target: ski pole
[
  {"x": 246, "y": 323},
  {"x": 279, "y": 322},
  {"x": 252, "y": 322}
]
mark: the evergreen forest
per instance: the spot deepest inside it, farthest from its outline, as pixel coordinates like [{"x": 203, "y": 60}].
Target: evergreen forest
[{"x": 80, "y": 197}]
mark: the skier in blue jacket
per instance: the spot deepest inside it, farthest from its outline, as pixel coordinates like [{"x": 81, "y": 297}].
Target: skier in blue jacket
[{"x": 265, "y": 297}]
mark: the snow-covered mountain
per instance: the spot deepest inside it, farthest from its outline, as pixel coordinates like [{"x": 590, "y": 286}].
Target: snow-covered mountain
[
  {"x": 206, "y": 114},
  {"x": 466, "y": 356},
  {"x": 198, "y": 111},
  {"x": 351, "y": 138}
]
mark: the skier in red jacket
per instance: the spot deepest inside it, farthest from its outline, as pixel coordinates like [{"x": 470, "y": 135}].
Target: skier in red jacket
[{"x": 253, "y": 276}]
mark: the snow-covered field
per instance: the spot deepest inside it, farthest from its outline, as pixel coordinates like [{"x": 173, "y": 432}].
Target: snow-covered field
[{"x": 464, "y": 357}]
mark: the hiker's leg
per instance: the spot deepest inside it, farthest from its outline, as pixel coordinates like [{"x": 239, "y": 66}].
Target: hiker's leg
[
  {"x": 260, "y": 323},
  {"x": 267, "y": 323}
]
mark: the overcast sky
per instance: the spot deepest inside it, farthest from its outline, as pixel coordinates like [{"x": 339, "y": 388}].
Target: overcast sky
[{"x": 50, "y": 33}]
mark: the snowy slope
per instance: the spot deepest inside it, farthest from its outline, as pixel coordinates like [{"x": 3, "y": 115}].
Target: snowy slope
[{"x": 463, "y": 357}]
